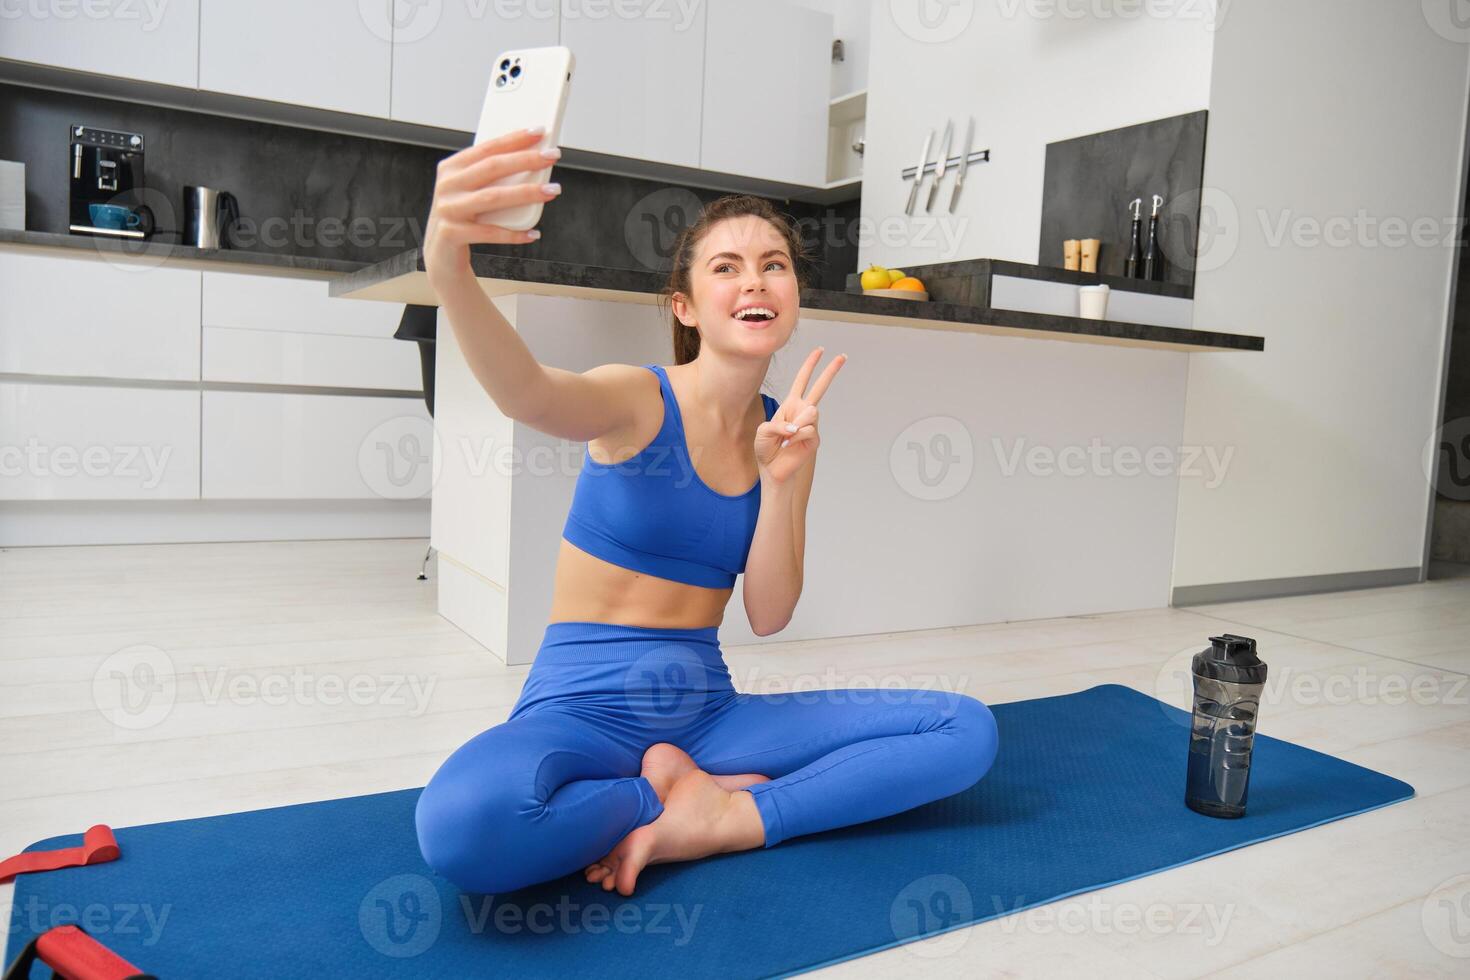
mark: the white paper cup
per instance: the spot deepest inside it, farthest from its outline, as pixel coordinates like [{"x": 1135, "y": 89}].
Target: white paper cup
[{"x": 1092, "y": 302}]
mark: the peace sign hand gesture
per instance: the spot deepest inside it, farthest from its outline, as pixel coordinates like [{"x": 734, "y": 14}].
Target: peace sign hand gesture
[{"x": 788, "y": 442}]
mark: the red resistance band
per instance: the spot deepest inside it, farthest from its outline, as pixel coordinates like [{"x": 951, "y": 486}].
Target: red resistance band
[
  {"x": 98, "y": 845},
  {"x": 74, "y": 955}
]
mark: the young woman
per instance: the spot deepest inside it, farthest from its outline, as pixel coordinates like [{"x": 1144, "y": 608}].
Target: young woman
[{"x": 629, "y": 745}]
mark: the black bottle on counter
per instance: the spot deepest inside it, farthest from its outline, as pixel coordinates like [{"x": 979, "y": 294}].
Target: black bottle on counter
[
  {"x": 1152, "y": 263},
  {"x": 1135, "y": 246}
]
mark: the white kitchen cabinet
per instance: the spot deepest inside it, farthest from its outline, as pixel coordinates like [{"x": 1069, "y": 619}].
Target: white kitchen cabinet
[
  {"x": 297, "y": 305},
  {"x": 312, "y": 359},
  {"x": 331, "y": 54},
  {"x": 151, "y": 42},
  {"x": 443, "y": 53},
  {"x": 92, "y": 318},
  {"x": 92, "y": 442},
  {"x": 767, "y": 77},
  {"x": 273, "y": 330},
  {"x": 264, "y": 445},
  {"x": 637, "y": 87}
]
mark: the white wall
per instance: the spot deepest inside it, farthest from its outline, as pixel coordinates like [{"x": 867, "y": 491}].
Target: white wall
[
  {"x": 1029, "y": 79},
  {"x": 1320, "y": 108}
]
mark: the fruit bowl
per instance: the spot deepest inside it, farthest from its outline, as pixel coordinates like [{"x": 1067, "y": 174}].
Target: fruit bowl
[{"x": 917, "y": 294}]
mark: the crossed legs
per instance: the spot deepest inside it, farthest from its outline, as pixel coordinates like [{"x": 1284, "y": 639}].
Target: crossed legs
[
  {"x": 839, "y": 757},
  {"x": 551, "y": 792}
]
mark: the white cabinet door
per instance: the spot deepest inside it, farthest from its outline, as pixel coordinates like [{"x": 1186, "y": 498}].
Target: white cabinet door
[
  {"x": 442, "y": 54},
  {"x": 152, "y": 42},
  {"x": 299, "y": 305},
  {"x": 636, "y": 89},
  {"x": 767, "y": 77},
  {"x": 323, "y": 360},
  {"x": 272, "y": 330},
  {"x": 89, "y": 442},
  {"x": 263, "y": 445},
  {"x": 91, "y": 318},
  {"x": 331, "y": 54}
]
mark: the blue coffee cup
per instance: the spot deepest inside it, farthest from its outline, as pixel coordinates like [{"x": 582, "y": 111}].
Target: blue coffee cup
[{"x": 114, "y": 216}]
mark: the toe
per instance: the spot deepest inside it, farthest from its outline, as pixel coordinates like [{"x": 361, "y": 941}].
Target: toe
[
  {"x": 633, "y": 854},
  {"x": 626, "y": 879}
]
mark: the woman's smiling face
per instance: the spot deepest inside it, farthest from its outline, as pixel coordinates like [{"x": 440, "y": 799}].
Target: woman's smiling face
[{"x": 746, "y": 298}]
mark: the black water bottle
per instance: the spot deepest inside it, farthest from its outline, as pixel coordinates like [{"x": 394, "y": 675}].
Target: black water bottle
[{"x": 1228, "y": 680}]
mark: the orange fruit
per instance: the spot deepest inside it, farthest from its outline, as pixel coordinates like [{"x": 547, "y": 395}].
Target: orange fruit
[{"x": 909, "y": 282}]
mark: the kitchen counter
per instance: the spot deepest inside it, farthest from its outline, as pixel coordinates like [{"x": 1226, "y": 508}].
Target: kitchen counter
[
  {"x": 942, "y": 278},
  {"x": 402, "y": 279},
  {"x": 176, "y": 256}
]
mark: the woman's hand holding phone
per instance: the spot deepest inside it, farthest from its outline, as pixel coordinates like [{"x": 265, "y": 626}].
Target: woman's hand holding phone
[{"x": 462, "y": 193}]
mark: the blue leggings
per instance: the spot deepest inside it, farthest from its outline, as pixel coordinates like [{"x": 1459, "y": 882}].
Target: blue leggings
[{"x": 557, "y": 785}]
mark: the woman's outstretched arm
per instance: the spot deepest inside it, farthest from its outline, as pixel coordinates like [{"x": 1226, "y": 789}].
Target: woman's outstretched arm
[{"x": 560, "y": 403}]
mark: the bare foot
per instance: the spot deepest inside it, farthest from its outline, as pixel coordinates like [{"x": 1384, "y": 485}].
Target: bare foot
[
  {"x": 699, "y": 819},
  {"x": 664, "y": 763},
  {"x": 731, "y": 783}
]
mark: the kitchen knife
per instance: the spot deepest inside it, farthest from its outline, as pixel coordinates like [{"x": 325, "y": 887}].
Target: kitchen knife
[
  {"x": 939, "y": 167},
  {"x": 919, "y": 174},
  {"x": 959, "y": 178}
]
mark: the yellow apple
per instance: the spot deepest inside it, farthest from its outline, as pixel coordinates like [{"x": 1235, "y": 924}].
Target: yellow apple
[{"x": 875, "y": 277}]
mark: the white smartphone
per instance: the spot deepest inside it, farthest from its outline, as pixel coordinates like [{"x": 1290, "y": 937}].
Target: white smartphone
[{"x": 528, "y": 87}]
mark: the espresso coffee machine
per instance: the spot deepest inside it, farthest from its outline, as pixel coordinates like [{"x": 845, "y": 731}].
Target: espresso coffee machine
[{"x": 106, "y": 170}]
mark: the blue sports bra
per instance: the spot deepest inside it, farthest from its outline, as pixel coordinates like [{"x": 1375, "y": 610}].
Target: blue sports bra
[{"x": 652, "y": 513}]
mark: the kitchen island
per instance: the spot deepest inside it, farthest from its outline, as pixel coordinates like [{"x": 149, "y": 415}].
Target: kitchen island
[{"x": 978, "y": 464}]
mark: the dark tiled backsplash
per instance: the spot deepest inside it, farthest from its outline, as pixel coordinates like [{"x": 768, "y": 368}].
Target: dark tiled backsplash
[
  {"x": 1090, "y": 180},
  {"x": 331, "y": 196}
]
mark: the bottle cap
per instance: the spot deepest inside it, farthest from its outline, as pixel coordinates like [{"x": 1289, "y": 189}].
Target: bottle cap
[{"x": 1232, "y": 659}]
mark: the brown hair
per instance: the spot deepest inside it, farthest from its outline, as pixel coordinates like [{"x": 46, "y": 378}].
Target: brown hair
[{"x": 686, "y": 339}]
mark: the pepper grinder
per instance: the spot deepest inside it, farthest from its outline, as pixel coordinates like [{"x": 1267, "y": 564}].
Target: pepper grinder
[{"x": 1090, "y": 248}]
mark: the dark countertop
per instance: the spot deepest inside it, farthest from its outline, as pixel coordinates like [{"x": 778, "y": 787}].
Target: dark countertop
[
  {"x": 177, "y": 256},
  {"x": 937, "y": 274},
  {"x": 401, "y": 279}
]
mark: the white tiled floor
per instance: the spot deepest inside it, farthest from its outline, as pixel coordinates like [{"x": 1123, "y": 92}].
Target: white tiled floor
[{"x": 1379, "y": 677}]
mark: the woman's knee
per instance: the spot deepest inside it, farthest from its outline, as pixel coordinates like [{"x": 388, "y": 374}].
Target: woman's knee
[
  {"x": 472, "y": 831},
  {"x": 974, "y": 725}
]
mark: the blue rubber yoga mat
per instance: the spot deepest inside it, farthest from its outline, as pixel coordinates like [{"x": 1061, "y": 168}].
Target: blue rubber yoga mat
[{"x": 1087, "y": 790}]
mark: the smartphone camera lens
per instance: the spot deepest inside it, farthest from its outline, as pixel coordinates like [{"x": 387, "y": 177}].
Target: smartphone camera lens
[
  {"x": 499, "y": 81},
  {"x": 515, "y": 72},
  {"x": 505, "y": 64}
]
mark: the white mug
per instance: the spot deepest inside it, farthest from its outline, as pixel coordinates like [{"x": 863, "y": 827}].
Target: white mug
[{"x": 1092, "y": 302}]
